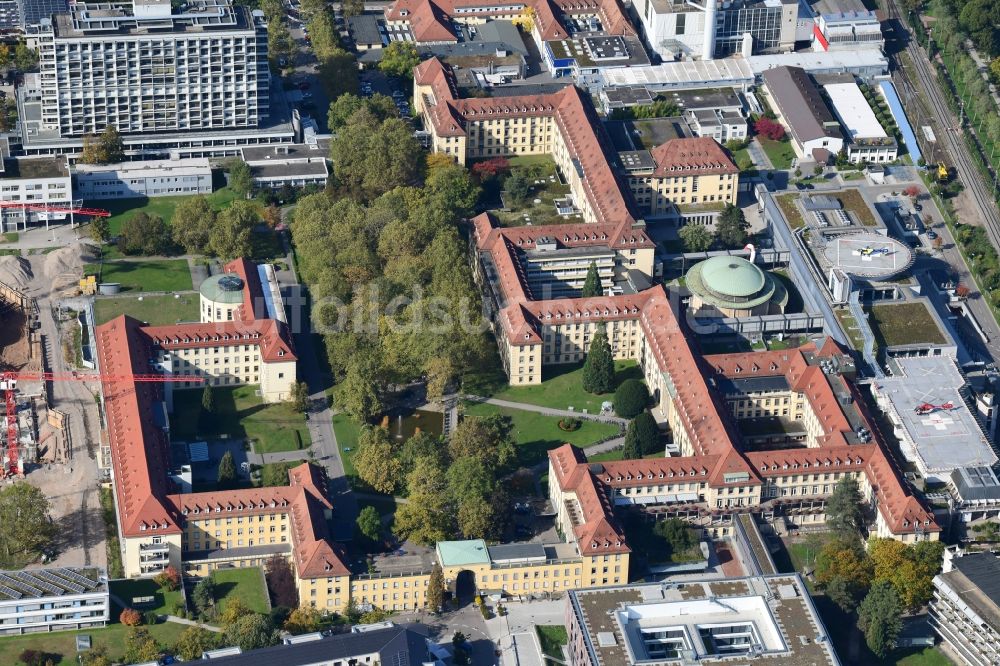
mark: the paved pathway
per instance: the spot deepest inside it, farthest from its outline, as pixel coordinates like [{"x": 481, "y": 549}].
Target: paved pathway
[
  {"x": 279, "y": 457},
  {"x": 603, "y": 418}
]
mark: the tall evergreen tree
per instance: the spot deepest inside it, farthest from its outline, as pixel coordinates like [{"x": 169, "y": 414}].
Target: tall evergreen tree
[
  {"x": 599, "y": 368},
  {"x": 227, "y": 471},
  {"x": 435, "y": 589},
  {"x": 843, "y": 507},
  {"x": 880, "y": 618},
  {"x": 592, "y": 284}
]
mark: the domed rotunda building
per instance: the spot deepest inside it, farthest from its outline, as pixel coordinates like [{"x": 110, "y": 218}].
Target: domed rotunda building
[{"x": 734, "y": 287}]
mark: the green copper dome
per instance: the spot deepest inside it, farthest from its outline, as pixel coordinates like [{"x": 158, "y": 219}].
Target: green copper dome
[
  {"x": 223, "y": 288},
  {"x": 733, "y": 283}
]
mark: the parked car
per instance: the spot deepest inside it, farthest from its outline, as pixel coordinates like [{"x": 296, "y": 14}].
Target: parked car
[{"x": 932, "y": 235}]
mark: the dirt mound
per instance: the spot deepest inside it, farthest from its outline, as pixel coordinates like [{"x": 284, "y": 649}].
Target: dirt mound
[
  {"x": 67, "y": 262},
  {"x": 15, "y": 271}
]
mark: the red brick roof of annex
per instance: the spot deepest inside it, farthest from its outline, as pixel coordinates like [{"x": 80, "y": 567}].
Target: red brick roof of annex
[
  {"x": 430, "y": 19},
  {"x": 900, "y": 509},
  {"x": 140, "y": 450}
]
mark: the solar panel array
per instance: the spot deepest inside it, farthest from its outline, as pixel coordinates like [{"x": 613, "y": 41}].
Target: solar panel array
[{"x": 44, "y": 582}]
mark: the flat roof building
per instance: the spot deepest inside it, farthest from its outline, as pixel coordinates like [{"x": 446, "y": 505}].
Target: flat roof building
[
  {"x": 965, "y": 609},
  {"x": 151, "y": 178},
  {"x": 53, "y": 599},
  {"x": 801, "y": 108},
  {"x": 768, "y": 618},
  {"x": 868, "y": 141},
  {"x": 936, "y": 429}
]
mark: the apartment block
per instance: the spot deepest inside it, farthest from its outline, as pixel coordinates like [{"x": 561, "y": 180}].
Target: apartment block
[
  {"x": 52, "y": 599},
  {"x": 144, "y": 68},
  {"x": 965, "y": 610}
]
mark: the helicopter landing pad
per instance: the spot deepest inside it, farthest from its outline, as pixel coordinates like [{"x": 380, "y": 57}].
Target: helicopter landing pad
[{"x": 868, "y": 255}]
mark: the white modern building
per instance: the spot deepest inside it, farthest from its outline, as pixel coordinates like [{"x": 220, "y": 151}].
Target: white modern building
[
  {"x": 867, "y": 139},
  {"x": 721, "y": 125},
  {"x": 152, "y": 178},
  {"x": 37, "y": 183},
  {"x": 295, "y": 165},
  {"x": 43, "y": 600},
  {"x": 847, "y": 31},
  {"x": 965, "y": 610},
  {"x": 936, "y": 430}
]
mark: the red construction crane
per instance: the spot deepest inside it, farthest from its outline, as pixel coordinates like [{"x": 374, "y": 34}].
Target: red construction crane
[
  {"x": 72, "y": 209},
  {"x": 8, "y": 384}
]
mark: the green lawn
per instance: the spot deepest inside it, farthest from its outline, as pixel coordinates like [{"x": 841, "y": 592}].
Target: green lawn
[
  {"x": 239, "y": 413},
  {"x": 552, "y": 637},
  {"x": 123, "y": 209},
  {"x": 63, "y": 643},
  {"x": 346, "y": 432},
  {"x": 153, "y": 275},
  {"x": 246, "y": 583},
  {"x": 931, "y": 656},
  {"x": 786, "y": 202},
  {"x": 165, "y": 602},
  {"x": 780, "y": 153},
  {"x": 276, "y": 471},
  {"x": 154, "y": 310},
  {"x": 536, "y": 433},
  {"x": 562, "y": 387}
]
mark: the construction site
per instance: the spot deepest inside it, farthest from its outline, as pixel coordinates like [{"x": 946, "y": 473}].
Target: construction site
[{"x": 52, "y": 432}]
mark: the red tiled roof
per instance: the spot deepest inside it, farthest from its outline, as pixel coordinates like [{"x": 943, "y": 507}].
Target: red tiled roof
[
  {"x": 598, "y": 532},
  {"x": 269, "y": 334},
  {"x": 691, "y": 157}
]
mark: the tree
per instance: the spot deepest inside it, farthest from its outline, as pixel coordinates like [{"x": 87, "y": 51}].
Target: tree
[
  {"x": 769, "y": 128},
  {"x": 323, "y": 35},
  {"x": 97, "y": 656},
  {"x": 642, "y": 437},
  {"x": 630, "y": 398},
  {"x": 24, "y": 520},
  {"x": 439, "y": 371},
  {"x": 300, "y": 396},
  {"x": 227, "y": 471},
  {"x": 271, "y": 216},
  {"x": 251, "y": 632},
  {"x": 369, "y": 523},
  {"x": 451, "y": 188},
  {"x": 695, "y": 237},
  {"x": 235, "y": 609},
  {"x": 338, "y": 73},
  {"x": 435, "y": 589},
  {"x": 140, "y": 646},
  {"x": 360, "y": 394},
  {"x": 677, "y": 533},
  {"x": 378, "y": 105},
  {"x": 880, "y": 618},
  {"x": 203, "y": 595},
  {"x": 399, "y": 59},
  {"x": 517, "y": 186},
  {"x": 194, "y": 641},
  {"x": 191, "y": 224},
  {"x": 303, "y": 620},
  {"x": 731, "y": 227},
  {"x": 100, "y": 229},
  {"x": 144, "y": 234},
  {"x": 488, "y": 439},
  {"x": 240, "y": 178},
  {"x": 843, "y": 508},
  {"x": 428, "y": 515},
  {"x": 352, "y": 7},
  {"x": 375, "y": 460},
  {"x": 130, "y": 617},
  {"x": 843, "y": 568},
  {"x": 592, "y": 283},
  {"x": 25, "y": 59},
  {"x": 491, "y": 168},
  {"x": 38, "y": 658},
  {"x": 280, "y": 44},
  {"x": 281, "y": 581},
  {"x": 169, "y": 578},
  {"x": 107, "y": 148},
  {"x": 599, "y": 368},
  {"x": 208, "y": 399},
  {"x": 372, "y": 157},
  {"x": 232, "y": 234}
]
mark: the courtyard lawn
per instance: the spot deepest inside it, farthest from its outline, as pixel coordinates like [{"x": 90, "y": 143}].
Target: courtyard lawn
[
  {"x": 63, "y": 643},
  {"x": 124, "y": 209},
  {"x": 931, "y": 656},
  {"x": 562, "y": 388},
  {"x": 346, "y": 431},
  {"x": 536, "y": 433},
  {"x": 154, "y": 310},
  {"x": 240, "y": 414},
  {"x": 904, "y": 324},
  {"x": 780, "y": 153},
  {"x": 165, "y": 602},
  {"x": 153, "y": 275},
  {"x": 552, "y": 637},
  {"x": 246, "y": 583},
  {"x": 546, "y": 187}
]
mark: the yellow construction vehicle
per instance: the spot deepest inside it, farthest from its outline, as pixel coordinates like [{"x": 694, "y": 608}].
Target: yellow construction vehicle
[{"x": 942, "y": 172}]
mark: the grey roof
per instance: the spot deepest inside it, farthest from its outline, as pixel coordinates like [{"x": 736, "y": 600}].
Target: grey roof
[
  {"x": 801, "y": 105},
  {"x": 516, "y": 551},
  {"x": 236, "y": 553},
  {"x": 976, "y": 483},
  {"x": 53, "y": 582},
  {"x": 693, "y": 100},
  {"x": 627, "y": 96},
  {"x": 983, "y": 570},
  {"x": 289, "y": 169},
  {"x": 501, "y": 32},
  {"x": 364, "y": 29},
  {"x": 401, "y": 645},
  {"x": 284, "y": 151},
  {"x": 741, "y": 385}
]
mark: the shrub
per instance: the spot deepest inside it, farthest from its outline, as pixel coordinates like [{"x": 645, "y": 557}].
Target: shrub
[
  {"x": 169, "y": 578},
  {"x": 569, "y": 424},
  {"x": 770, "y": 129},
  {"x": 38, "y": 658},
  {"x": 630, "y": 398},
  {"x": 151, "y": 617},
  {"x": 130, "y": 617}
]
